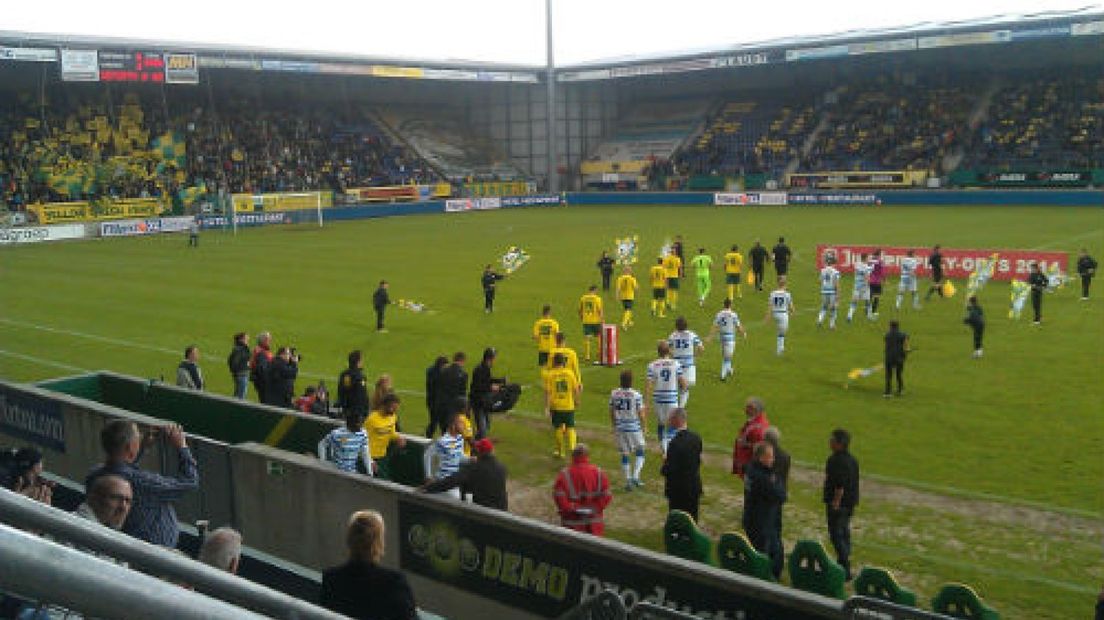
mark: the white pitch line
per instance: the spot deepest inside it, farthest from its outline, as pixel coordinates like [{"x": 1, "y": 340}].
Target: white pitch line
[
  {"x": 88, "y": 336},
  {"x": 42, "y": 361},
  {"x": 1091, "y": 233}
]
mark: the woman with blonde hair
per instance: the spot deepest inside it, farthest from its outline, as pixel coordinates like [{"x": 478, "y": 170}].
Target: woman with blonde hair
[
  {"x": 361, "y": 588},
  {"x": 384, "y": 386}
]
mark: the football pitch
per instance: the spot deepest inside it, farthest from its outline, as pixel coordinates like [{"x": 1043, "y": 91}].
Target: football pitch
[{"x": 988, "y": 472}]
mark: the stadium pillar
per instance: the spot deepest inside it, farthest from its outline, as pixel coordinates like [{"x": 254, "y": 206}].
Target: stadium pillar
[{"x": 550, "y": 134}]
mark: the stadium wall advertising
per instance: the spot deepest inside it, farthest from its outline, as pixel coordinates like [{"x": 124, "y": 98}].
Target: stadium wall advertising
[
  {"x": 531, "y": 573},
  {"x": 32, "y": 418},
  {"x": 151, "y": 226},
  {"x": 957, "y": 263},
  {"x": 37, "y": 234}
]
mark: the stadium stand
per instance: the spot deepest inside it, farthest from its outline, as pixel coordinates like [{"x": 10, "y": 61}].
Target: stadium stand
[{"x": 448, "y": 144}]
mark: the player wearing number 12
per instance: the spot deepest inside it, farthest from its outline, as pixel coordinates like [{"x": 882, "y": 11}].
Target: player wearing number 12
[
  {"x": 561, "y": 397},
  {"x": 590, "y": 312},
  {"x": 726, "y": 324},
  {"x": 685, "y": 344},
  {"x": 626, "y": 293},
  {"x": 701, "y": 263},
  {"x": 544, "y": 333},
  {"x": 657, "y": 276},
  {"x": 734, "y": 266},
  {"x": 626, "y": 407}
]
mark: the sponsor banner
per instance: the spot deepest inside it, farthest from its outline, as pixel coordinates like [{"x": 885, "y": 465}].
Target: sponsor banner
[
  {"x": 296, "y": 66},
  {"x": 28, "y": 54},
  {"x": 472, "y": 204},
  {"x": 832, "y": 198},
  {"x": 541, "y": 576},
  {"x": 244, "y": 219},
  {"x": 957, "y": 263},
  {"x": 32, "y": 418},
  {"x": 750, "y": 198},
  {"x": 964, "y": 38},
  {"x": 832, "y": 180},
  {"x": 36, "y": 234},
  {"x": 120, "y": 66},
  {"x": 1087, "y": 28},
  {"x": 816, "y": 53},
  {"x": 879, "y": 47},
  {"x": 222, "y": 62},
  {"x": 532, "y": 200},
  {"x": 181, "y": 68},
  {"x": 80, "y": 66},
  {"x": 1041, "y": 33},
  {"x": 387, "y": 193},
  {"x": 248, "y": 203},
  {"x": 398, "y": 72},
  {"x": 1036, "y": 178},
  {"x": 748, "y": 59},
  {"x": 130, "y": 228}
]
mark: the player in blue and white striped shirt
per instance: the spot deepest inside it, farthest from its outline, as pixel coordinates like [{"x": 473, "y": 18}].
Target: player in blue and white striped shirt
[
  {"x": 862, "y": 288},
  {"x": 780, "y": 306},
  {"x": 726, "y": 323},
  {"x": 829, "y": 292},
  {"x": 343, "y": 446},
  {"x": 444, "y": 456},
  {"x": 665, "y": 379},
  {"x": 684, "y": 345},
  {"x": 909, "y": 265},
  {"x": 626, "y": 407}
]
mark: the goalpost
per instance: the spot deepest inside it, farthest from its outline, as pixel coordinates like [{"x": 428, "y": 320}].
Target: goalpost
[{"x": 257, "y": 198}]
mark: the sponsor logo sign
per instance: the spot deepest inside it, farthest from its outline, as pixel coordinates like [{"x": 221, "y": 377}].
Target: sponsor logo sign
[
  {"x": 32, "y": 418},
  {"x": 832, "y": 198},
  {"x": 181, "y": 68},
  {"x": 36, "y": 234},
  {"x": 531, "y": 200},
  {"x": 957, "y": 263},
  {"x": 80, "y": 66},
  {"x": 472, "y": 204},
  {"x": 750, "y": 198},
  {"x": 28, "y": 54}
]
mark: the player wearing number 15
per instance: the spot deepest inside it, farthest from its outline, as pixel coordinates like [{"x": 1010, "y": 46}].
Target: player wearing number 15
[
  {"x": 734, "y": 266},
  {"x": 657, "y": 276},
  {"x": 561, "y": 396},
  {"x": 544, "y": 333},
  {"x": 590, "y": 312},
  {"x": 626, "y": 293}
]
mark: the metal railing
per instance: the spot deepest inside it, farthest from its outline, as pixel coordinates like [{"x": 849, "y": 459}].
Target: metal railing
[
  {"x": 112, "y": 599},
  {"x": 867, "y": 608}
]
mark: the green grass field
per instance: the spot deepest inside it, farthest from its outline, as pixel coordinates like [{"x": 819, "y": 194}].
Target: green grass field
[{"x": 987, "y": 471}]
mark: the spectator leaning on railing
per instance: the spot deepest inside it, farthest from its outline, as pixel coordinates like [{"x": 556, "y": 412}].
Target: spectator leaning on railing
[{"x": 152, "y": 517}]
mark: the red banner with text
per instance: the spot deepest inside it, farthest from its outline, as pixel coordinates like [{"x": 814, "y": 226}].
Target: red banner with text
[{"x": 957, "y": 263}]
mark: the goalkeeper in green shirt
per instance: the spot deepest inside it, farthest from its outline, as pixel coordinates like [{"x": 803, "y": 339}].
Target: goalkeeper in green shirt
[{"x": 701, "y": 264}]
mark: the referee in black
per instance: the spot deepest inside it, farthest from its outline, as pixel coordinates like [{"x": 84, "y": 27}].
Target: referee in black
[
  {"x": 605, "y": 265},
  {"x": 896, "y": 348},
  {"x": 935, "y": 263},
  {"x": 489, "y": 280},
  {"x": 1086, "y": 268},
  {"x": 781, "y": 254},
  {"x": 1038, "y": 282},
  {"x": 758, "y": 255}
]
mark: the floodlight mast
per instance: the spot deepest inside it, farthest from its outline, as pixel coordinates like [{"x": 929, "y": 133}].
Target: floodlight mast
[{"x": 550, "y": 115}]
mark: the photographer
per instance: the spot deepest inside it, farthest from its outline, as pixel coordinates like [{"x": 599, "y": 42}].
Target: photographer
[{"x": 280, "y": 383}]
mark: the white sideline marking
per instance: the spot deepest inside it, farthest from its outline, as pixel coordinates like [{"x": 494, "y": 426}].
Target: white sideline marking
[
  {"x": 1059, "y": 242},
  {"x": 42, "y": 361}
]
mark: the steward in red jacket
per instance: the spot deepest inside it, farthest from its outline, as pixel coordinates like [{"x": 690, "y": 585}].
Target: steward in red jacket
[
  {"x": 751, "y": 433},
  {"x": 582, "y": 493}
]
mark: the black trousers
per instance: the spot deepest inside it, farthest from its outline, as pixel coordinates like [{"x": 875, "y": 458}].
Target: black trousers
[
  {"x": 839, "y": 531},
  {"x": 488, "y": 299},
  {"x": 936, "y": 286},
  {"x": 979, "y": 331},
  {"x": 438, "y": 419},
  {"x": 894, "y": 367},
  {"x": 606, "y": 280},
  {"x": 758, "y": 273},
  {"x": 482, "y": 421},
  {"x": 767, "y": 539},
  {"x": 686, "y": 502},
  {"x": 379, "y": 316},
  {"x": 1037, "y": 304},
  {"x": 1085, "y": 282}
]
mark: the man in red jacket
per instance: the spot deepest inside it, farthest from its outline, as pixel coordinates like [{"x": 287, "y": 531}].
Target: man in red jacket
[
  {"x": 751, "y": 433},
  {"x": 582, "y": 493}
]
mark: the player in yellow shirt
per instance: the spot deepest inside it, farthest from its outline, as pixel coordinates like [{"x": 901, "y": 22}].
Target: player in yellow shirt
[
  {"x": 626, "y": 292},
  {"x": 734, "y": 265},
  {"x": 590, "y": 312},
  {"x": 381, "y": 426},
  {"x": 571, "y": 359},
  {"x": 544, "y": 333},
  {"x": 561, "y": 397},
  {"x": 657, "y": 275},
  {"x": 673, "y": 265}
]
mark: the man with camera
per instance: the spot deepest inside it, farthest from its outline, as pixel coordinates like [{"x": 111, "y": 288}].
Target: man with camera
[{"x": 280, "y": 383}]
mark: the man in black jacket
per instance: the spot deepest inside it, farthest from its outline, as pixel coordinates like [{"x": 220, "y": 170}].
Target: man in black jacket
[
  {"x": 352, "y": 386},
  {"x": 605, "y": 266},
  {"x": 764, "y": 494},
  {"x": 380, "y": 299},
  {"x": 841, "y": 495},
  {"x": 781, "y": 254},
  {"x": 1086, "y": 268},
  {"x": 481, "y": 393},
  {"x": 935, "y": 264},
  {"x": 238, "y": 362},
  {"x": 682, "y": 466},
  {"x": 433, "y": 375},
  {"x": 280, "y": 383},
  {"x": 489, "y": 281},
  {"x": 896, "y": 348},
  {"x": 773, "y": 436},
  {"x": 484, "y": 478},
  {"x": 758, "y": 255},
  {"x": 975, "y": 318},
  {"x": 452, "y": 386},
  {"x": 1039, "y": 283}
]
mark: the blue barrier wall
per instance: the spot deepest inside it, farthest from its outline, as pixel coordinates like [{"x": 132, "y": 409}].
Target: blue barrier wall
[
  {"x": 360, "y": 212},
  {"x": 639, "y": 198},
  {"x": 846, "y": 197}
]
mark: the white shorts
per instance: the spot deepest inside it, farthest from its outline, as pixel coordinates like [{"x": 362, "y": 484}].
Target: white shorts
[
  {"x": 861, "y": 294},
  {"x": 690, "y": 373},
  {"x": 630, "y": 442},
  {"x": 663, "y": 411},
  {"x": 728, "y": 348},
  {"x": 782, "y": 321},
  {"x": 828, "y": 300},
  {"x": 907, "y": 286}
]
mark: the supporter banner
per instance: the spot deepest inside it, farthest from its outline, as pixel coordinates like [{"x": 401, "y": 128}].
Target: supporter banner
[
  {"x": 248, "y": 203},
  {"x": 28, "y": 54},
  {"x": 533, "y": 200},
  {"x": 834, "y": 180},
  {"x": 181, "y": 69},
  {"x": 36, "y": 234},
  {"x": 53, "y": 213},
  {"x": 497, "y": 188},
  {"x": 957, "y": 263},
  {"x": 750, "y": 198},
  {"x": 832, "y": 198},
  {"x": 472, "y": 204},
  {"x": 80, "y": 66},
  {"x": 57, "y": 212},
  {"x": 130, "y": 207},
  {"x": 244, "y": 219},
  {"x": 32, "y": 418},
  {"x": 536, "y": 574},
  {"x": 387, "y": 193}
]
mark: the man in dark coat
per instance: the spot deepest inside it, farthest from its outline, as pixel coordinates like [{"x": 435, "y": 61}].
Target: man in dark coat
[
  {"x": 841, "y": 495},
  {"x": 481, "y": 393},
  {"x": 896, "y": 348},
  {"x": 764, "y": 494},
  {"x": 484, "y": 478},
  {"x": 280, "y": 383},
  {"x": 758, "y": 256},
  {"x": 380, "y": 299},
  {"x": 432, "y": 376},
  {"x": 1086, "y": 269},
  {"x": 682, "y": 466},
  {"x": 352, "y": 386},
  {"x": 452, "y": 387}
]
